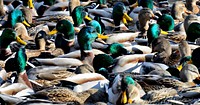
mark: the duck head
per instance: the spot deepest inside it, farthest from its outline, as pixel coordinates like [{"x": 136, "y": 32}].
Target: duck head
[
  {"x": 178, "y": 8},
  {"x": 9, "y": 35},
  {"x": 193, "y": 31},
  {"x": 129, "y": 90},
  {"x": 154, "y": 32},
  {"x": 166, "y": 22},
  {"x": 86, "y": 36},
  {"x": 143, "y": 3},
  {"x": 78, "y": 15},
  {"x": 16, "y": 16},
  {"x": 97, "y": 26},
  {"x": 117, "y": 49},
  {"x": 120, "y": 13},
  {"x": 103, "y": 67},
  {"x": 144, "y": 18}
]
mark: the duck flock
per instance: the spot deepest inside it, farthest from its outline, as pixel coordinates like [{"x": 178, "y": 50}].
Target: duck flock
[{"x": 99, "y": 52}]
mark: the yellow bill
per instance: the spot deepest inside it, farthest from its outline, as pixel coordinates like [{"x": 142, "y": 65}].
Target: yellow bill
[
  {"x": 180, "y": 67},
  {"x": 54, "y": 31},
  {"x": 127, "y": 17},
  {"x": 164, "y": 32},
  {"x": 124, "y": 98},
  {"x": 124, "y": 21},
  {"x": 130, "y": 101},
  {"x": 19, "y": 40},
  {"x": 134, "y": 5},
  {"x": 25, "y": 23},
  {"x": 30, "y": 4},
  {"x": 102, "y": 36},
  {"x": 88, "y": 18}
]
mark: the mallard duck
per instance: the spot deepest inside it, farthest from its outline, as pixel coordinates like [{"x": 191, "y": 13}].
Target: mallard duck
[
  {"x": 189, "y": 72},
  {"x": 6, "y": 38},
  {"x": 178, "y": 9},
  {"x": 192, "y": 6},
  {"x": 123, "y": 90},
  {"x": 78, "y": 15},
  {"x": 14, "y": 17},
  {"x": 193, "y": 31},
  {"x": 144, "y": 17},
  {"x": 85, "y": 37},
  {"x": 119, "y": 14},
  {"x": 166, "y": 22},
  {"x": 19, "y": 64}
]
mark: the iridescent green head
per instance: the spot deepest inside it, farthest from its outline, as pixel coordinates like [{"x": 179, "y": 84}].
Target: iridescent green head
[
  {"x": 67, "y": 28},
  {"x": 86, "y": 36},
  {"x": 193, "y": 31},
  {"x": 146, "y": 3},
  {"x": 78, "y": 15},
  {"x": 102, "y": 62},
  {"x": 120, "y": 13},
  {"x": 96, "y": 25},
  {"x": 117, "y": 49},
  {"x": 166, "y": 22},
  {"x": 153, "y": 32},
  {"x": 14, "y": 17},
  {"x": 128, "y": 80},
  {"x": 8, "y": 35}
]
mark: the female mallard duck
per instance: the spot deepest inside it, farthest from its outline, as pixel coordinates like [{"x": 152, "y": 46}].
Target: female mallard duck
[
  {"x": 178, "y": 9},
  {"x": 192, "y": 6},
  {"x": 6, "y": 38},
  {"x": 144, "y": 18},
  {"x": 119, "y": 14}
]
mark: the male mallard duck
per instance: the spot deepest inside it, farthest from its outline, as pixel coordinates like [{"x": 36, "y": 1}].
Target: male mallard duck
[
  {"x": 193, "y": 31},
  {"x": 166, "y": 22},
  {"x": 85, "y": 37},
  {"x": 19, "y": 64},
  {"x": 119, "y": 14},
  {"x": 124, "y": 90},
  {"x": 14, "y": 17},
  {"x": 6, "y": 38},
  {"x": 192, "y": 6},
  {"x": 78, "y": 15},
  {"x": 66, "y": 36}
]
